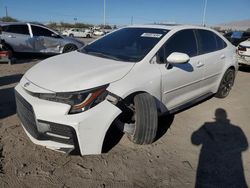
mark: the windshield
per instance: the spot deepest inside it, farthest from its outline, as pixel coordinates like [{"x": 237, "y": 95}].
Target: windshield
[{"x": 128, "y": 44}]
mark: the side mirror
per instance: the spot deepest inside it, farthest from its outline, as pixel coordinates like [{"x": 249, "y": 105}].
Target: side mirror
[{"x": 178, "y": 58}]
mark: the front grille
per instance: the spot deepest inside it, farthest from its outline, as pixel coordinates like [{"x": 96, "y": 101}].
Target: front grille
[
  {"x": 26, "y": 114},
  {"x": 27, "y": 117}
]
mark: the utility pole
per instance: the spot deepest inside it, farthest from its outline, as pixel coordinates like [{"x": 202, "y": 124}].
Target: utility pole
[
  {"x": 204, "y": 13},
  {"x": 6, "y": 11},
  {"x": 132, "y": 20},
  {"x": 104, "y": 13}
]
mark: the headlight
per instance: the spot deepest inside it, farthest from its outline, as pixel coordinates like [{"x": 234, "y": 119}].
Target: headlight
[{"x": 79, "y": 101}]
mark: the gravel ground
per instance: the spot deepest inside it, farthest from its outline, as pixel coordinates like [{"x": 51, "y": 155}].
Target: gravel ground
[{"x": 192, "y": 149}]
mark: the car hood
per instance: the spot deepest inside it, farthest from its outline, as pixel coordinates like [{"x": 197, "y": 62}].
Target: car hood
[{"x": 76, "y": 71}]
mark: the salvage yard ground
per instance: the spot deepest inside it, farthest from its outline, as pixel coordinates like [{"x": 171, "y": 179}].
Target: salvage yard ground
[{"x": 172, "y": 161}]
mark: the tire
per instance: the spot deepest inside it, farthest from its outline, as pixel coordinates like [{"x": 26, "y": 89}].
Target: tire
[
  {"x": 146, "y": 120},
  {"x": 69, "y": 48},
  {"x": 226, "y": 84},
  {"x": 88, "y": 36},
  {"x": 71, "y": 35}
]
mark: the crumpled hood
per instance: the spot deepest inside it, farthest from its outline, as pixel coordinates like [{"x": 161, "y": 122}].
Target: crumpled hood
[{"x": 76, "y": 71}]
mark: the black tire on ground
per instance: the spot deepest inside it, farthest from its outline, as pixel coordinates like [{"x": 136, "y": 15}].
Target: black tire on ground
[
  {"x": 69, "y": 48},
  {"x": 88, "y": 36},
  {"x": 146, "y": 119},
  {"x": 71, "y": 35},
  {"x": 226, "y": 84}
]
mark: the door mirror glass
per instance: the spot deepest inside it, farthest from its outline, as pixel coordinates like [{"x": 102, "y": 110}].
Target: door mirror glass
[{"x": 178, "y": 58}]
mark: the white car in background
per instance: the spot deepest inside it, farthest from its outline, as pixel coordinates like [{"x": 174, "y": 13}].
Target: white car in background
[
  {"x": 98, "y": 33},
  {"x": 128, "y": 77},
  {"x": 244, "y": 52},
  {"x": 76, "y": 32}
]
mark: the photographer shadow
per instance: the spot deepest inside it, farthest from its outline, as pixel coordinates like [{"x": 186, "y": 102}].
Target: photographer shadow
[{"x": 220, "y": 162}]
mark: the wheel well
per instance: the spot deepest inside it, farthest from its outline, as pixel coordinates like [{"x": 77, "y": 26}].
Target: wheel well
[
  {"x": 9, "y": 46},
  {"x": 232, "y": 68}
]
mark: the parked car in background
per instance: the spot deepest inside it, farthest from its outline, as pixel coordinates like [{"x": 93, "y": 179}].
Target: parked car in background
[
  {"x": 129, "y": 76},
  {"x": 35, "y": 38},
  {"x": 244, "y": 52},
  {"x": 76, "y": 32},
  {"x": 98, "y": 33},
  {"x": 236, "y": 37}
]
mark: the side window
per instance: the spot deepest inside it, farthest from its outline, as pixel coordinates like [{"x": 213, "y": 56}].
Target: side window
[
  {"x": 183, "y": 41},
  {"x": 207, "y": 41},
  {"x": 247, "y": 35},
  {"x": 18, "y": 29},
  {"x": 220, "y": 43},
  {"x": 40, "y": 31}
]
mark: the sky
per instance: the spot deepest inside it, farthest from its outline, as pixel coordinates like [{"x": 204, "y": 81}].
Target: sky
[{"x": 124, "y": 12}]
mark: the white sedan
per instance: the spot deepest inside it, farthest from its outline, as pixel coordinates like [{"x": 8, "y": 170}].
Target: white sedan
[
  {"x": 244, "y": 53},
  {"x": 129, "y": 77},
  {"x": 76, "y": 32},
  {"x": 98, "y": 33}
]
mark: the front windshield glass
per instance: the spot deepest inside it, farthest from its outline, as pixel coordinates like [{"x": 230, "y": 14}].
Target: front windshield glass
[{"x": 128, "y": 44}]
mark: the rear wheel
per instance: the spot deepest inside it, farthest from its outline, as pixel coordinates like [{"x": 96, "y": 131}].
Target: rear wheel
[
  {"x": 226, "y": 84},
  {"x": 69, "y": 48},
  {"x": 71, "y": 35},
  {"x": 145, "y": 120}
]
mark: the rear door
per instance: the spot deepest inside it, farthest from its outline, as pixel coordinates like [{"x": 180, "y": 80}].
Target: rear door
[
  {"x": 212, "y": 52},
  {"x": 18, "y": 37},
  {"x": 180, "y": 82},
  {"x": 45, "y": 40}
]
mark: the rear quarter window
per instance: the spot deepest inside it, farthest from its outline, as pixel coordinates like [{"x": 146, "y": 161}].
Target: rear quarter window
[
  {"x": 207, "y": 41},
  {"x": 220, "y": 43}
]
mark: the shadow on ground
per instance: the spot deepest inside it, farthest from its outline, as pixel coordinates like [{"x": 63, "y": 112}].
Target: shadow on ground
[
  {"x": 6, "y": 80},
  {"x": 7, "y": 102},
  {"x": 220, "y": 161},
  {"x": 244, "y": 69}
]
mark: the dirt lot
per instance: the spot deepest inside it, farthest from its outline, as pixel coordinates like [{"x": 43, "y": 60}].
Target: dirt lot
[{"x": 187, "y": 147}]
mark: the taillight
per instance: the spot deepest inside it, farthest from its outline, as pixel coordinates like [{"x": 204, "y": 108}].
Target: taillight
[{"x": 242, "y": 48}]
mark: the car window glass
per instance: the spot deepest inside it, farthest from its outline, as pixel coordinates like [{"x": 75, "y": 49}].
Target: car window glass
[
  {"x": 208, "y": 41},
  {"x": 183, "y": 42},
  {"x": 246, "y": 34},
  {"x": 127, "y": 44},
  {"x": 160, "y": 56},
  {"x": 39, "y": 31},
  {"x": 18, "y": 29},
  {"x": 220, "y": 43},
  {"x": 237, "y": 34}
]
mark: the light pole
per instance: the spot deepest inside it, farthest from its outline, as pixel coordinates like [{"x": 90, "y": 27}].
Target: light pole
[
  {"x": 204, "y": 13},
  {"x": 104, "y": 13}
]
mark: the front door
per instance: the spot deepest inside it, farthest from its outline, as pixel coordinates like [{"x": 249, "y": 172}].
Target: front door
[
  {"x": 45, "y": 40},
  {"x": 181, "y": 82}
]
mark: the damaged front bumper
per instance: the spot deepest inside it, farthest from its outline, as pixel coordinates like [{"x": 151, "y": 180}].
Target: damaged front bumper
[{"x": 48, "y": 123}]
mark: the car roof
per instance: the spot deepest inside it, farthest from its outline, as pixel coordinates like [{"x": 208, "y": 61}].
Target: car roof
[
  {"x": 21, "y": 23},
  {"x": 169, "y": 26}
]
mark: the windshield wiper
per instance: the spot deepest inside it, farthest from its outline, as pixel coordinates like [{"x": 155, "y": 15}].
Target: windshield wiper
[{"x": 99, "y": 54}]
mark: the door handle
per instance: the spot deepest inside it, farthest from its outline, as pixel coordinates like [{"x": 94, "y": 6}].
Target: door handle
[
  {"x": 222, "y": 56},
  {"x": 199, "y": 64}
]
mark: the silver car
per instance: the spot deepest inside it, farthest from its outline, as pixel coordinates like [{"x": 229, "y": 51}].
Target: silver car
[{"x": 35, "y": 38}]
